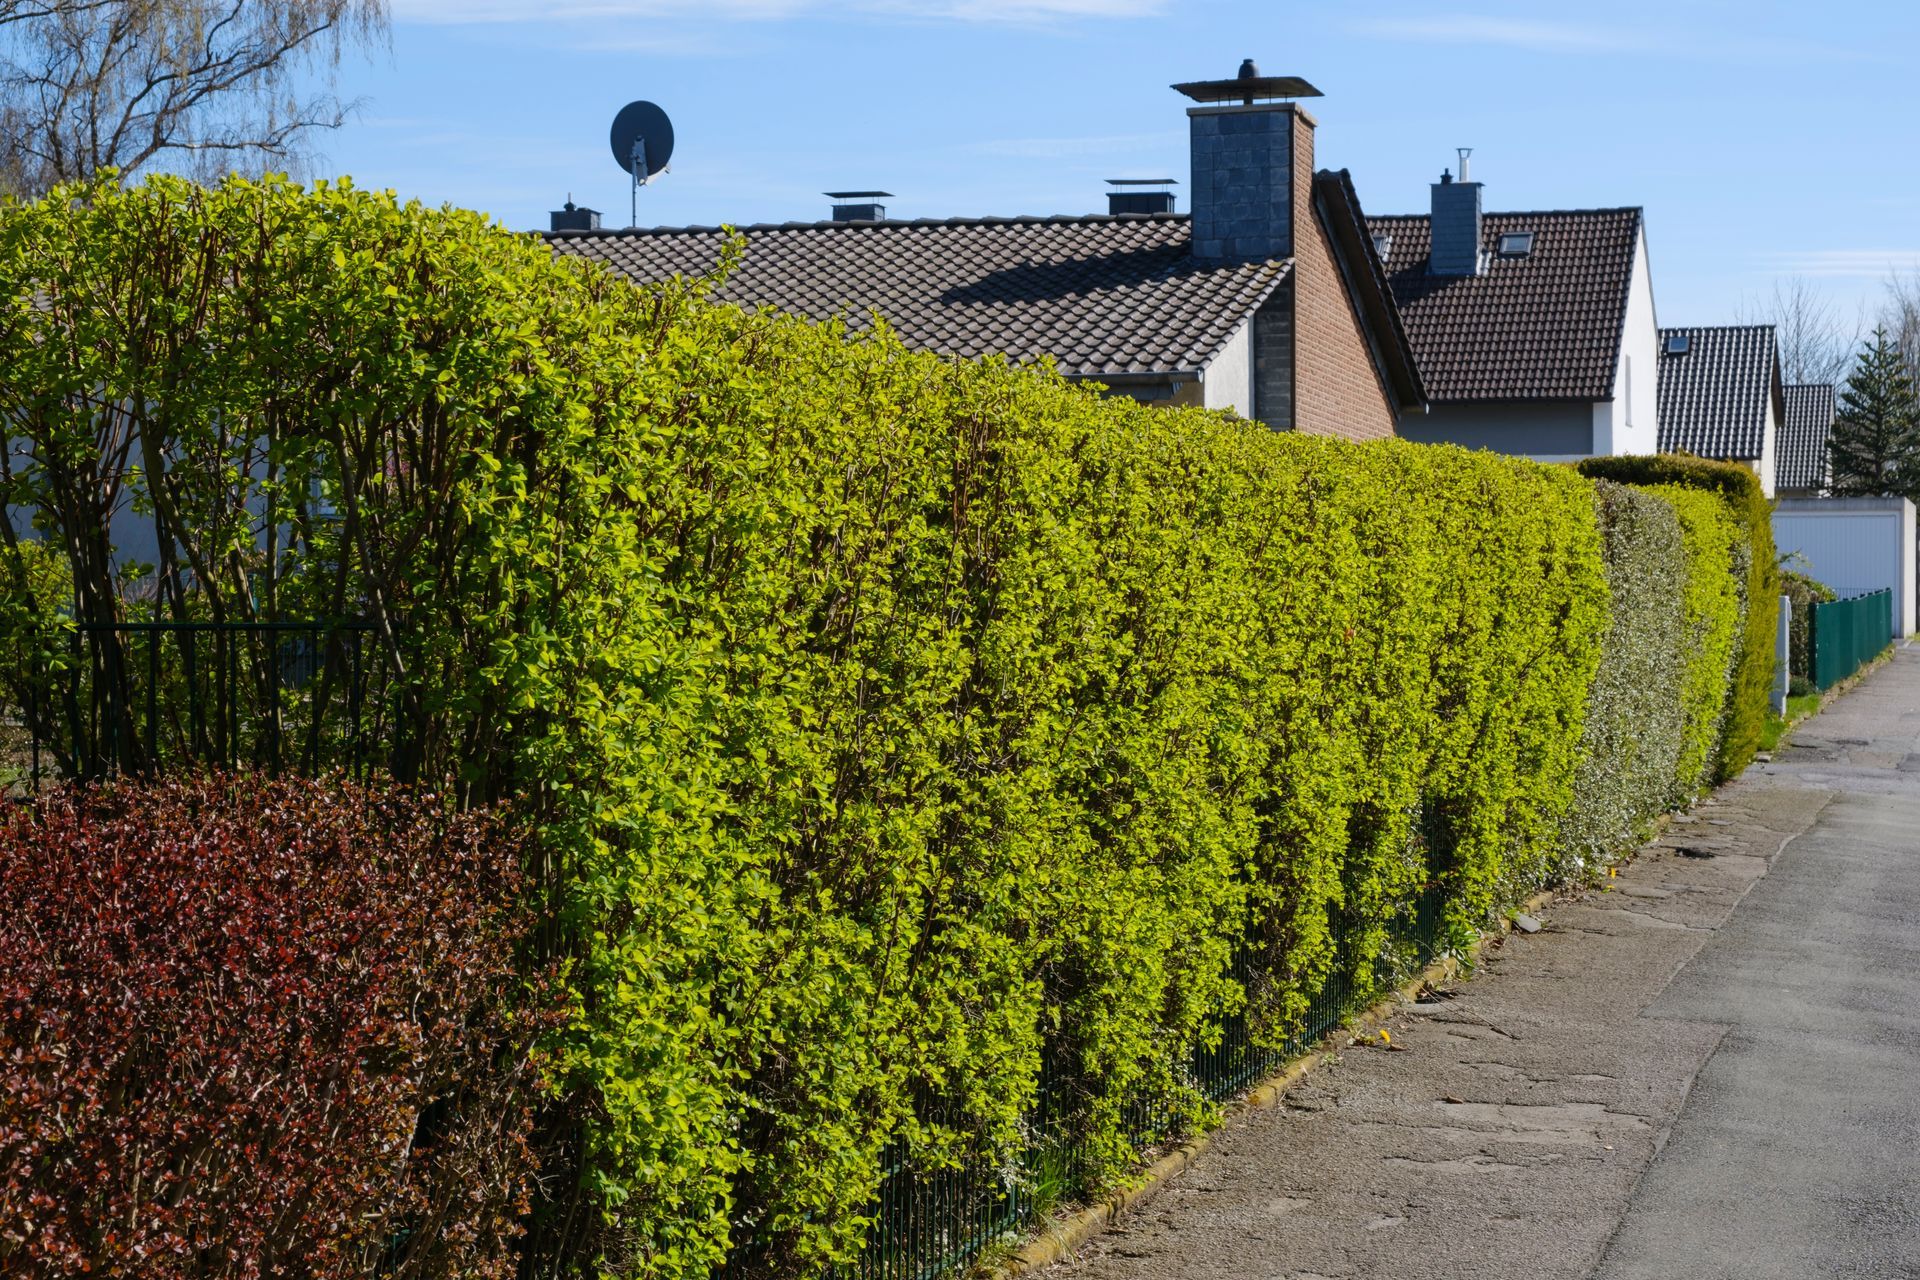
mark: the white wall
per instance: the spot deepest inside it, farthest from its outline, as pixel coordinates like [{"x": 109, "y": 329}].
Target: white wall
[
  {"x": 1629, "y": 423},
  {"x": 1769, "y": 452},
  {"x": 1227, "y": 382},
  {"x": 1853, "y": 545}
]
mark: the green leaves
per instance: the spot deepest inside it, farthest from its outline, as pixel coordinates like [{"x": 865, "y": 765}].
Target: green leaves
[
  {"x": 891, "y": 725},
  {"x": 1756, "y": 578}
]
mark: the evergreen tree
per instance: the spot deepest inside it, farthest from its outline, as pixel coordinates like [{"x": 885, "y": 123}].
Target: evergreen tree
[{"x": 1875, "y": 446}]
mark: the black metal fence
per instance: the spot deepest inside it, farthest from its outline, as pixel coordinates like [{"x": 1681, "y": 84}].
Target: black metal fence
[{"x": 98, "y": 699}]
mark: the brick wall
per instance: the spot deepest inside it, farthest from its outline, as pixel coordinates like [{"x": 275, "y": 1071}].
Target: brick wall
[{"x": 1337, "y": 390}]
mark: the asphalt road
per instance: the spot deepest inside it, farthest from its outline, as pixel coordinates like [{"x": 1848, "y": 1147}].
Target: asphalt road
[{"x": 1709, "y": 1069}]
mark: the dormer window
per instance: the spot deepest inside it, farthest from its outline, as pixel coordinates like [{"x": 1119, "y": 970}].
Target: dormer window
[
  {"x": 1678, "y": 344},
  {"x": 1382, "y": 246},
  {"x": 1516, "y": 244}
]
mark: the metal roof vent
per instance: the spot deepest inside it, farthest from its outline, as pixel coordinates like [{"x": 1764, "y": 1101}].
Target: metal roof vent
[
  {"x": 859, "y": 206},
  {"x": 1140, "y": 195},
  {"x": 1248, "y": 87},
  {"x": 573, "y": 217},
  {"x": 1678, "y": 344}
]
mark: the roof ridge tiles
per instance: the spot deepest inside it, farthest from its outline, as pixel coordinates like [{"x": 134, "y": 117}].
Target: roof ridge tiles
[
  {"x": 982, "y": 220},
  {"x": 1522, "y": 213}
]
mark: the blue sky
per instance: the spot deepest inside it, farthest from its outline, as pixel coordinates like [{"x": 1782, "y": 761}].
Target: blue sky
[{"x": 1764, "y": 140}]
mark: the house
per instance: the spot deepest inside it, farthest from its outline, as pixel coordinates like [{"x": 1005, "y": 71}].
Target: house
[
  {"x": 1534, "y": 332},
  {"x": 1721, "y": 396},
  {"x": 1266, "y": 299},
  {"x": 1800, "y": 471}
]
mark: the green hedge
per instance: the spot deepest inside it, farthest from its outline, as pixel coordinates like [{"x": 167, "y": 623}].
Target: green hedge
[
  {"x": 1637, "y": 724},
  {"x": 1714, "y": 541},
  {"x": 1740, "y": 489},
  {"x": 890, "y": 725}
]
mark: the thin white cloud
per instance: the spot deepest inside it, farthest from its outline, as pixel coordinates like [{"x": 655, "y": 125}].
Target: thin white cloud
[
  {"x": 1019, "y": 11},
  {"x": 1537, "y": 36},
  {"x": 1517, "y": 33},
  {"x": 463, "y": 12},
  {"x": 451, "y": 12},
  {"x": 1069, "y": 148},
  {"x": 1844, "y": 264}
]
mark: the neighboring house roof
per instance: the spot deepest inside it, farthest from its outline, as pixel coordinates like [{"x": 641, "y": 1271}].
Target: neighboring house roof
[
  {"x": 1102, "y": 295},
  {"x": 1109, "y": 297},
  {"x": 1543, "y": 326},
  {"x": 1339, "y": 208},
  {"x": 1714, "y": 397},
  {"x": 1804, "y": 430}
]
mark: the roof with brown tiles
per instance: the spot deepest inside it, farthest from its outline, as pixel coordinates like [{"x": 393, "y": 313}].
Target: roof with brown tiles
[
  {"x": 1543, "y": 326},
  {"x": 1714, "y": 396},
  {"x": 1801, "y": 454},
  {"x": 1102, "y": 295}
]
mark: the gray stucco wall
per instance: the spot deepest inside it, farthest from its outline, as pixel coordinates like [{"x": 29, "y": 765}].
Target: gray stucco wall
[{"x": 1533, "y": 427}]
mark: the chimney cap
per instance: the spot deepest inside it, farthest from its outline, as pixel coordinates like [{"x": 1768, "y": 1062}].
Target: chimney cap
[
  {"x": 1245, "y": 88},
  {"x": 1143, "y": 182},
  {"x": 856, "y": 195}
]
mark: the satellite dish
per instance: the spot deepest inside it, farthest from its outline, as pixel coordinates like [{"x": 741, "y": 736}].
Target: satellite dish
[{"x": 642, "y": 139}]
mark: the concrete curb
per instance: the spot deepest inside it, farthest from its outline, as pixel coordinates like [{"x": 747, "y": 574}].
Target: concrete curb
[{"x": 1060, "y": 1238}]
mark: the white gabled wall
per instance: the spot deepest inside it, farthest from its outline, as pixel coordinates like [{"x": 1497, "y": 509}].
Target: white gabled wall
[
  {"x": 1769, "y": 452},
  {"x": 1228, "y": 380},
  {"x": 1629, "y": 423}
]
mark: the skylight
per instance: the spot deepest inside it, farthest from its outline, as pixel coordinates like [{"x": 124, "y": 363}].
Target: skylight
[
  {"x": 1678, "y": 344},
  {"x": 1383, "y": 245},
  {"x": 1516, "y": 244}
]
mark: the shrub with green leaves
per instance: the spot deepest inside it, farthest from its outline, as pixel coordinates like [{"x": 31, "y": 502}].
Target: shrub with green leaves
[
  {"x": 1637, "y": 719},
  {"x": 36, "y": 587},
  {"x": 889, "y": 725},
  {"x": 1804, "y": 592},
  {"x": 1714, "y": 543},
  {"x": 1758, "y": 566}
]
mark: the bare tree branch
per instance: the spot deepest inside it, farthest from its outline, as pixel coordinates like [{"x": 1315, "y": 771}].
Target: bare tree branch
[
  {"x": 92, "y": 84},
  {"x": 1901, "y": 316},
  {"x": 1816, "y": 338}
]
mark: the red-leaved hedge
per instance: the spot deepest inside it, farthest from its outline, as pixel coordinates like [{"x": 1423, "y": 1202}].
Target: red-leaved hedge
[{"x": 255, "y": 1028}]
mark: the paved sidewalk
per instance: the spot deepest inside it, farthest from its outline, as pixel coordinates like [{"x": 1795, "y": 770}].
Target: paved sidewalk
[{"x": 1710, "y": 1070}]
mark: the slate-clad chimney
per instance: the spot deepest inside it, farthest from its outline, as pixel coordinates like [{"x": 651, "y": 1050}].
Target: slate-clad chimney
[
  {"x": 1248, "y": 149},
  {"x": 1456, "y": 225}
]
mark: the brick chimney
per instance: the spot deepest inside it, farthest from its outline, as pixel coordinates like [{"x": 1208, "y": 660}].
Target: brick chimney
[
  {"x": 1456, "y": 224},
  {"x": 1252, "y": 154}
]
